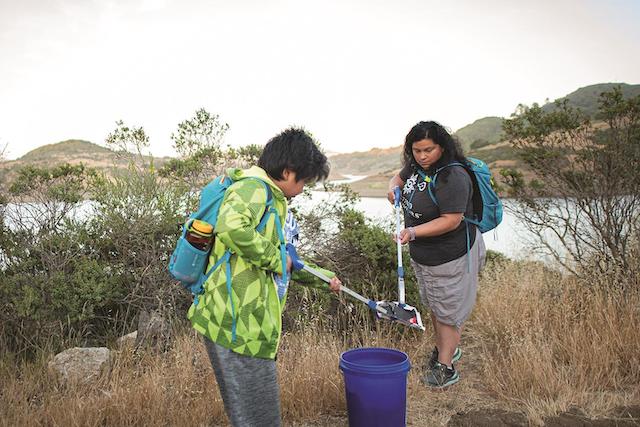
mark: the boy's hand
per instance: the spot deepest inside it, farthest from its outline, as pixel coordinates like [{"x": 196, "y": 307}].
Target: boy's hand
[
  {"x": 335, "y": 284},
  {"x": 289, "y": 264}
]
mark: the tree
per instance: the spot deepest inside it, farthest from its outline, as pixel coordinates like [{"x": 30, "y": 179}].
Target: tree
[
  {"x": 198, "y": 143},
  {"x": 583, "y": 202}
]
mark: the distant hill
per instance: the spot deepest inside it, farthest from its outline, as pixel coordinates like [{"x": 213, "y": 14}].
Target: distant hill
[
  {"x": 586, "y": 98},
  {"x": 485, "y": 131},
  {"x": 72, "y": 148},
  {"x": 372, "y": 162},
  {"x": 481, "y": 139},
  {"x": 72, "y": 151}
]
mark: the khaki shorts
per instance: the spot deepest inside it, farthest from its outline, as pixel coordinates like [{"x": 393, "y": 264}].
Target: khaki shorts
[{"x": 450, "y": 289}]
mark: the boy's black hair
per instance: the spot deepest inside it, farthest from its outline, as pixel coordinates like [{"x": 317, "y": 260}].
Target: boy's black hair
[{"x": 296, "y": 150}]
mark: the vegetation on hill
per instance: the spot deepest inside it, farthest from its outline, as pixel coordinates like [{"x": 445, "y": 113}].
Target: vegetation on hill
[
  {"x": 586, "y": 188},
  {"x": 481, "y": 139},
  {"x": 374, "y": 161},
  {"x": 587, "y": 98},
  {"x": 69, "y": 148},
  {"x": 111, "y": 161},
  {"x": 482, "y": 132}
]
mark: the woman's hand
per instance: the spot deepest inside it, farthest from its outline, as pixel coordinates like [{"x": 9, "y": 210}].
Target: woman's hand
[
  {"x": 406, "y": 236},
  {"x": 394, "y": 182},
  {"x": 391, "y": 196}
]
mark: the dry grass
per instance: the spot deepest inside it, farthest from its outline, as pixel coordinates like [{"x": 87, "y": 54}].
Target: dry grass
[
  {"x": 538, "y": 343},
  {"x": 549, "y": 342}
]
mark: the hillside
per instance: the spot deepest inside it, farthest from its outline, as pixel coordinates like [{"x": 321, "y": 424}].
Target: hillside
[
  {"x": 72, "y": 148},
  {"x": 586, "y": 98},
  {"x": 372, "y": 162},
  {"x": 72, "y": 151},
  {"x": 482, "y": 132},
  {"x": 481, "y": 139}
]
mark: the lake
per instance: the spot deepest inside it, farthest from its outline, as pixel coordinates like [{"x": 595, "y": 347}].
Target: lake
[{"x": 508, "y": 238}]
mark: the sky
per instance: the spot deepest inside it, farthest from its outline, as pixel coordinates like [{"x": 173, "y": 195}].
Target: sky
[{"x": 357, "y": 74}]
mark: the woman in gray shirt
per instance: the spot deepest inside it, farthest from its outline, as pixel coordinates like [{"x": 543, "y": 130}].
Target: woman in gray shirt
[{"x": 446, "y": 252}]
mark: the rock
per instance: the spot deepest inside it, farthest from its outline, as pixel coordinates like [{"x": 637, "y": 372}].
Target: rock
[
  {"x": 154, "y": 331},
  {"x": 128, "y": 340},
  {"x": 81, "y": 364}
]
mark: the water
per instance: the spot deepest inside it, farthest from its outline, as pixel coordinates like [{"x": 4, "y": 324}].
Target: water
[{"x": 509, "y": 238}]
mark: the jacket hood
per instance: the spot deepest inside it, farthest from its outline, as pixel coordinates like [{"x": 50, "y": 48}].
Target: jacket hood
[{"x": 256, "y": 172}]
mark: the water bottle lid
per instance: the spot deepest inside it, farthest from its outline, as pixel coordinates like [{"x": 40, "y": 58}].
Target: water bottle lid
[{"x": 202, "y": 227}]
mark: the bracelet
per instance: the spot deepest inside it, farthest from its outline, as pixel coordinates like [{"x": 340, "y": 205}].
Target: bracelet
[{"x": 412, "y": 234}]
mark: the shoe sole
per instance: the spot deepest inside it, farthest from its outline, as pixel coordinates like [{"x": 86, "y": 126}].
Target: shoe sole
[{"x": 449, "y": 383}]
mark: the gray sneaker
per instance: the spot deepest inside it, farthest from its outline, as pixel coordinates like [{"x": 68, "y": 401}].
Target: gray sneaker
[
  {"x": 431, "y": 363},
  {"x": 441, "y": 376}
]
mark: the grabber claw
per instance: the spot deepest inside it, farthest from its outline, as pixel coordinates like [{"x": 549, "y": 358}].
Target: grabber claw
[
  {"x": 401, "y": 313},
  {"x": 406, "y": 315}
]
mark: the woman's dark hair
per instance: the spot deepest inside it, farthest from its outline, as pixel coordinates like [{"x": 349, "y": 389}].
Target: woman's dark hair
[
  {"x": 296, "y": 150},
  {"x": 452, "y": 151}
]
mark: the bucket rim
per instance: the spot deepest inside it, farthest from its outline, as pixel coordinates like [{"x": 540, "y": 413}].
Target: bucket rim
[{"x": 403, "y": 365}]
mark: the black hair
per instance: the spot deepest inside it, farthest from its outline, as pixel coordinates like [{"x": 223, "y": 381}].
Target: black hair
[
  {"x": 294, "y": 149},
  {"x": 452, "y": 151}
]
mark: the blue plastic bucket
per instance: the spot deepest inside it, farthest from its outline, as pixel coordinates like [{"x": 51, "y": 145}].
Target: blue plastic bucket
[{"x": 375, "y": 382}]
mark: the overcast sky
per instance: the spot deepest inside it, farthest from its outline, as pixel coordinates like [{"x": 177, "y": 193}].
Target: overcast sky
[{"x": 356, "y": 73}]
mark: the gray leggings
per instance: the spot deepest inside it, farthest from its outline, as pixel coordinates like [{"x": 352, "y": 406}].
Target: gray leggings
[{"x": 248, "y": 385}]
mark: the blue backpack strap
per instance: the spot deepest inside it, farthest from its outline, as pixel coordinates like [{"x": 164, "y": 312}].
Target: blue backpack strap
[
  {"x": 432, "y": 181},
  {"x": 283, "y": 247},
  {"x": 203, "y": 211},
  {"x": 464, "y": 218},
  {"x": 269, "y": 210}
]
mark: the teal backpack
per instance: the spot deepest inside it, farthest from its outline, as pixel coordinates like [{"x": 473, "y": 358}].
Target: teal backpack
[
  {"x": 188, "y": 264},
  {"x": 487, "y": 207}
]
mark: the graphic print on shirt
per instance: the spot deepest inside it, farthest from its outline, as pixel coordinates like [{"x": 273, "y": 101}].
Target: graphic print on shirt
[{"x": 413, "y": 183}]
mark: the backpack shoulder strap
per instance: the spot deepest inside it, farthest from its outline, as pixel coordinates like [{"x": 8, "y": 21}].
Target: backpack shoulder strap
[
  {"x": 432, "y": 181},
  {"x": 211, "y": 199},
  {"x": 269, "y": 209}
]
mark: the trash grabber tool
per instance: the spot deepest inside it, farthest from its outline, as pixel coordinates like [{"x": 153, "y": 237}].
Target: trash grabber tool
[
  {"x": 298, "y": 264},
  {"x": 401, "y": 311},
  {"x": 382, "y": 309}
]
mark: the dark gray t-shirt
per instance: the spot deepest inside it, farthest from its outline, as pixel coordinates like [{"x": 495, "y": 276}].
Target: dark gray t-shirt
[{"x": 453, "y": 191}]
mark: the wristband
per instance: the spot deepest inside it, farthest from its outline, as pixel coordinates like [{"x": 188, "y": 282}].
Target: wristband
[{"x": 412, "y": 234}]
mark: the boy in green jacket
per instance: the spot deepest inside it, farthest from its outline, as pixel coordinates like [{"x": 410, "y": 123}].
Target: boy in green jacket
[{"x": 240, "y": 313}]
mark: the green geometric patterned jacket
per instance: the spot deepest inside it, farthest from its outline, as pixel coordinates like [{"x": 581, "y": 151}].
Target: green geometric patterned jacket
[{"x": 253, "y": 306}]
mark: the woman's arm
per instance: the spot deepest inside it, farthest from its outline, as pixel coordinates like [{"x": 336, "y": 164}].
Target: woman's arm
[
  {"x": 441, "y": 225},
  {"x": 394, "y": 182}
]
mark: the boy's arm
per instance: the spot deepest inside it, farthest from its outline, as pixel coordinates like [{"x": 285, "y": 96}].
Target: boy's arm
[
  {"x": 307, "y": 279},
  {"x": 238, "y": 218}
]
